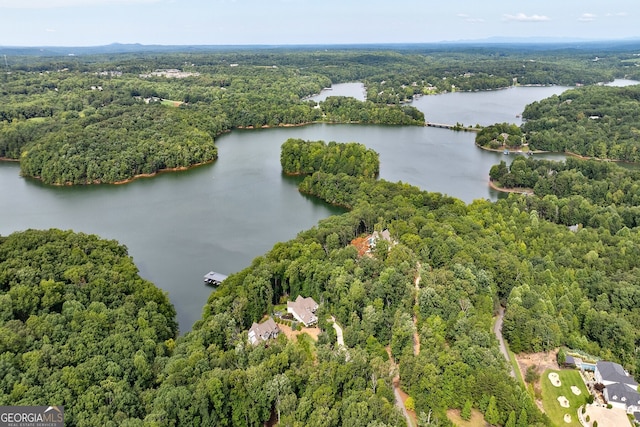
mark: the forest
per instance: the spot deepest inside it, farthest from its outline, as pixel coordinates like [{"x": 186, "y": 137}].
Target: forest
[
  {"x": 596, "y": 122},
  {"x": 106, "y": 118},
  {"x": 81, "y": 328},
  {"x": 299, "y": 157}
]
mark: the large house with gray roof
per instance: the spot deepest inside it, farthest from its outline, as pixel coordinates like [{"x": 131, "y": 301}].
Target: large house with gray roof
[
  {"x": 621, "y": 390},
  {"x": 304, "y": 310}
]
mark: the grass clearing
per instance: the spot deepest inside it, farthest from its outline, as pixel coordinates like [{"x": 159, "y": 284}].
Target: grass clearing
[
  {"x": 550, "y": 395},
  {"x": 514, "y": 365},
  {"x": 477, "y": 419},
  {"x": 171, "y": 103}
]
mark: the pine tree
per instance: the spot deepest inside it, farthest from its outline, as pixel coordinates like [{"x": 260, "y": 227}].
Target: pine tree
[
  {"x": 511, "y": 422},
  {"x": 492, "y": 416},
  {"x": 465, "y": 414},
  {"x": 523, "y": 420}
]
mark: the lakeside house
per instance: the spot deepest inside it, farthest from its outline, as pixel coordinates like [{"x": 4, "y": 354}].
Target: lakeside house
[
  {"x": 621, "y": 390},
  {"x": 303, "y": 310},
  {"x": 373, "y": 239},
  {"x": 260, "y": 332}
]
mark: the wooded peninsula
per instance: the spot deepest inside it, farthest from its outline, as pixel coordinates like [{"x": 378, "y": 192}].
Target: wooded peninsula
[{"x": 79, "y": 327}]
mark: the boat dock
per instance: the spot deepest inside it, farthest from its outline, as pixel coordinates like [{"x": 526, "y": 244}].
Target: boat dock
[{"x": 214, "y": 279}]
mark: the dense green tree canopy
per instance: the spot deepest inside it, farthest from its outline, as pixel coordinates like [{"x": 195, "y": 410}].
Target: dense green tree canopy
[
  {"x": 79, "y": 327},
  {"x": 299, "y": 157},
  {"x": 598, "y": 121}
]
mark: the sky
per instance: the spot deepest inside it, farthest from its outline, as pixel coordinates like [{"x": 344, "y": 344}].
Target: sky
[{"x": 291, "y": 22}]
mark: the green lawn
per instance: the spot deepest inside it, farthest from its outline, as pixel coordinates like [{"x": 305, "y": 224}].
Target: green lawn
[
  {"x": 514, "y": 364},
  {"x": 550, "y": 395},
  {"x": 171, "y": 103}
]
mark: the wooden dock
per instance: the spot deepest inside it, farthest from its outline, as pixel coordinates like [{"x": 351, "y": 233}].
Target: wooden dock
[{"x": 214, "y": 279}]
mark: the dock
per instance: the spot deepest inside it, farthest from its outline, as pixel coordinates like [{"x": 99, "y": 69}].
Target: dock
[{"x": 214, "y": 279}]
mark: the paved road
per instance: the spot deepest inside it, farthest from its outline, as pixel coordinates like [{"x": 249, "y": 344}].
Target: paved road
[{"x": 497, "y": 329}]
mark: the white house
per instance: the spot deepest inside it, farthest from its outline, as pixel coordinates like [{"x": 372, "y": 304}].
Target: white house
[
  {"x": 263, "y": 331},
  {"x": 304, "y": 310},
  {"x": 621, "y": 390}
]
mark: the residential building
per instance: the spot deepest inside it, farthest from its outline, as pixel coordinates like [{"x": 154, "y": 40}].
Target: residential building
[
  {"x": 621, "y": 390},
  {"x": 264, "y": 331},
  {"x": 303, "y": 310}
]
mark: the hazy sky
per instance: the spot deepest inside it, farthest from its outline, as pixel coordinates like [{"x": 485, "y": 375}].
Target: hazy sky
[{"x": 99, "y": 22}]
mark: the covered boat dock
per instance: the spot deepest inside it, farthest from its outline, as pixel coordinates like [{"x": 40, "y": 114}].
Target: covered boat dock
[{"x": 214, "y": 279}]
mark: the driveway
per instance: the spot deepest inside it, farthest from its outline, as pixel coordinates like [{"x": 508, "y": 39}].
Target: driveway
[{"x": 497, "y": 329}]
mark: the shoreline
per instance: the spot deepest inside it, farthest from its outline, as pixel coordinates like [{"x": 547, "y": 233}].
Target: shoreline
[
  {"x": 160, "y": 171},
  {"x": 525, "y": 191},
  {"x": 498, "y": 150},
  {"x": 128, "y": 180}
]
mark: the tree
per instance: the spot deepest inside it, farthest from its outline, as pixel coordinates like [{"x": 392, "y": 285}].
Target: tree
[
  {"x": 511, "y": 421},
  {"x": 532, "y": 375},
  {"x": 465, "y": 413},
  {"x": 562, "y": 357},
  {"x": 523, "y": 420},
  {"x": 491, "y": 415}
]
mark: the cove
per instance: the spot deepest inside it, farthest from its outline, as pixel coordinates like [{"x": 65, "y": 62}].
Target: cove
[{"x": 178, "y": 226}]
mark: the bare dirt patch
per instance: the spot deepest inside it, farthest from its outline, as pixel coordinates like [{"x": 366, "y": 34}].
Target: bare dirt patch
[
  {"x": 543, "y": 361},
  {"x": 290, "y": 334}
]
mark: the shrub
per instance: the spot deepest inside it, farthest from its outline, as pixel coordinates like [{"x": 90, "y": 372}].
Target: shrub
[
  {"x": 532, "y": 374},
  {"x": 588, "y": 418},
  {"x": 410, "y": 404}
]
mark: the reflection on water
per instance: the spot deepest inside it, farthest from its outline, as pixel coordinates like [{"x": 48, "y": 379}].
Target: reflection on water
[{"x": 179, "y": 226}]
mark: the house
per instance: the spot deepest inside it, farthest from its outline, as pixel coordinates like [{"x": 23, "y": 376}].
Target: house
[
  {"x": 304, "y": 310},
  {"x": 263, "y": 331},
  {"x": 373, "y": 239},
  {"x": 623, "y": 397},
  {"x": 609, "y": 373},
  {"x": 569, "y": 361},
  {"x": 621, "y": 390}
]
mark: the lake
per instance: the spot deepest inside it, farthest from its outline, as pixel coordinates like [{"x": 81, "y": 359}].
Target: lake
[{"x": 179, "y": 226}]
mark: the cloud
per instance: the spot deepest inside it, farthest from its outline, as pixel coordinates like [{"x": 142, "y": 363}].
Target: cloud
[
  {"x": 617, "y": 14},
  {"x": 521, "y": 17},
  {"x": 50, "y": 4},
  {"x": 587, "y": 17},
  {"x": 470, "y": 19}
]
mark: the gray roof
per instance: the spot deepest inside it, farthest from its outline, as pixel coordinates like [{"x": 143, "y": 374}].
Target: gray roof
[
  {"x": 569, "y": 360},
  {"x": 621, "y": 393},
  {"x": 263, "y": 331},
  {"x": 610, "y": 371},
  {"x": 212, "y": 276},
  {"x": 304, "y": 309}
]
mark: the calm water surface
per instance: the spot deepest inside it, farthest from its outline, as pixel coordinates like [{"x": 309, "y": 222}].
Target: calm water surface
[{"x": 179, "y": 226}]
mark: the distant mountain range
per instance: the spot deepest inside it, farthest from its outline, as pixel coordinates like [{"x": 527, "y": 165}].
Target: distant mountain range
[{"x": 115, "y": 48}]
